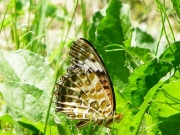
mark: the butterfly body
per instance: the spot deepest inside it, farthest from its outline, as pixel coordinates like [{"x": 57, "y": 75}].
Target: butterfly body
[{"x": 85, "y": 92}]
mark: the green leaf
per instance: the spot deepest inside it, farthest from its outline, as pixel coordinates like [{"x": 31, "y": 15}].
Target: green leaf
[
  {"x": 168, "y": 99},
  {"x": 176, "y": 4},
  {"x": 144, "y": 78},
  {"x": 27, "y": 81},
  {"x": 147, "y": 75},
  {"x": 38, "y": 127},
  {"x": 111, "y": 25},
  {"x": 7, "y": 133},
  {"x": 142, "y": 45},
  {"x": 63, "y": 129},
  {"x": 8, "y": 118},
  {"x": 135, "y": 125},
  {"x": 51, "y": 10},
  {"x": 170, "y": 125},
  {"x": 167, "y": 106},
  {"x": 172, "y": 54},
  {"x": 29, "y": 126}
]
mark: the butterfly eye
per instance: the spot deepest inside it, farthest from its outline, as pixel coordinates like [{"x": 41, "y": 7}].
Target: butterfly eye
[{"x": 85, "y": 92}]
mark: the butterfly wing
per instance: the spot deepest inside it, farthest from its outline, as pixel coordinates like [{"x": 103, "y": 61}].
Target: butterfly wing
[{"x": 85, "y": 93}]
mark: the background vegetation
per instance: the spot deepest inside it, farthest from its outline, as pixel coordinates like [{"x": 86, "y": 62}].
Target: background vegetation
[{"x": 138, "y": 42}]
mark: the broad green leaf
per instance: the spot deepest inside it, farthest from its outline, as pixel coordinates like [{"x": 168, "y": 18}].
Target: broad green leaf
[
  {"x": 147, "y": 75},
  {"x": 142, "y": 45},
  {"x": 172, "y": 54},
  {"x": 143, "y": 87},
  {"x": 112, "y": 26},
  {"x": 167, "y": 106},
  {"x": 137, "y": 119},
  {"x": 168, "y": 99},
  {"x": 170, "y": 125},
  {"x": 27, "y": 82},
  {"x": 144, "y": 78},
  {"x": 109, "y": 26}
]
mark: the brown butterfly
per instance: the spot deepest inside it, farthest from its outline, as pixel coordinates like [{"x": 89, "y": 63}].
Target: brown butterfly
[{"x": 85, "y": 92}]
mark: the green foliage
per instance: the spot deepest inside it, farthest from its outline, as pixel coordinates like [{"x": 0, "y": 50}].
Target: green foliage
[
  {"x": 27, "y": 81},
  {"x": 176, "y": 4},
  {"x": 144, "y": 73},
  {"x": 111, "y": 25}
]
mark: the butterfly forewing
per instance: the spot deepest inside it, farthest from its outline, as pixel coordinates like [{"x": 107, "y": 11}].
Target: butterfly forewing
[
  {"x": 85, "y": 92},
  {"x": 83, "y": 52}
]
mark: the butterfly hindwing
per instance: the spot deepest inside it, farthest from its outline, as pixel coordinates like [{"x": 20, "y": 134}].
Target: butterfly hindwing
[{"x": 85, "y": 92}]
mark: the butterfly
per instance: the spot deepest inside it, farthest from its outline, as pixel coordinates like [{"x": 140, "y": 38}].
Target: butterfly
[{"x": 85, "y": 92}]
